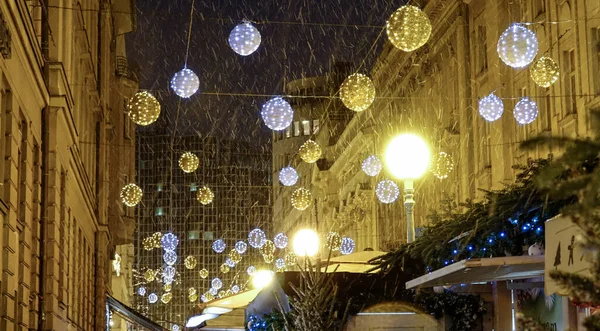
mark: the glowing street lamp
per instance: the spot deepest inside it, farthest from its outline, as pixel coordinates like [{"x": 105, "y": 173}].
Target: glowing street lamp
[
  {"x": 407, "y": 158},
  {"x": 262, "y": 278},
  {"x": 306, "y": 243}
]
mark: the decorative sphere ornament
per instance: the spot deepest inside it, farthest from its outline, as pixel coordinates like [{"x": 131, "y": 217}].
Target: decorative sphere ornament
[
  {"x": 204, "y": 298},
  {"x": 291, "y": 259},
  {"x": 235, "y": 289},
  {"x": 141, "y": 291},
  {"x": 203, "y": 273},
  {"x": 372, "y": 166},
  {"x": 192, "y": 290},
  {"x": 301, "y": 198},
  {"x": 347, "y": 246},
  {"x": 176, "y": 327},
  {"x": 224, "y": 268},
  {"x": 267, "y": 248},
  {"x": 235, "y": 256},
  {"x": 251, "y": 270},
  {"x": 149, "y": 275},
  {"x": 190, "y": 262},
  {"x": 188, "y": 162},
  {"x": 280, "y": 263},
  {"x": 280, "y": 240},
  {"x": 387, "y": 191},
  {"x": 216, "y": 283},
  {"x": 166, "y": 297},
  {"x": 357, "y": 92},
  {"x": 526, "y": 111},
  {"x": 131, "y": 195},
  {"x": 167, "y": 287},
  {"x": 209, "y": 296},
  {"x": 257, "y": 238},
  {"x": 438, "y": 289},
  {"x": 277, "y": 114},
  {"x": 442, "y": 165},
  {"x": 170, "y": 257},
  {"x": 193, "y": 297},
  {"x": 219, "y": 246},
  {"x": 544, "y": 71},
  {"x": 244, "y": 39},
  {"x": 185, "y": 83},
  {"x": 229, "y": 262},
  {"x": 536, "y": 249},
  {"x": 221, "y": 294},
  {"x": 152, "y": 298},
  {"x": 204, "y": 195},
  {"x": 333, "y": 241},
  {"x": 147, "y": 244},
  {"x": 491, "y": 107},
  {"x": 241, "y": 247},
  {"x": 169, "y": 272},
  {"x": 213, "y": 291},
  {"x": 228, "y": 293},
  {"x": 156, "y": 238},
  {"x": 310, "y": 151},
  {"x": 517, "y": 46},
  {"x": 169, "y": 241},
  {"x": 288, "y": 176},
  {"x": 143, "y": 108},
  {"x": 408, "y": 28},
  {"x": 268, "y": 258}
]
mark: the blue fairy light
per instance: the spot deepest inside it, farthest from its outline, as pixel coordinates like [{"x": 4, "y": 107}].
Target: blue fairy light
[
  {"x": 502, "y": 234},
  {"x": 470, "y": 248},
  {"x": 513, "y": 221},
  {"x": 455, "y": 251},
  {"x": 535, "y": 219},
  {"x": 491, "y": 240},
  {"x": 538, "y": 229}
]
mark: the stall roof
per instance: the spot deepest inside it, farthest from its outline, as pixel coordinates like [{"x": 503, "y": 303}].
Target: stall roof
[
  {"x": 239, "y": 300},
  {"x": 354, "y": 263},
  {"x": 482, "y": 270}
]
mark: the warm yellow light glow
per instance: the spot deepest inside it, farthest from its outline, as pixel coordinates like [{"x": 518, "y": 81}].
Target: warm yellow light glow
[
  {"x": 407, "y": 156},
  {"x": 306, "y": 243},
  {"x": 262, "y": 278}
]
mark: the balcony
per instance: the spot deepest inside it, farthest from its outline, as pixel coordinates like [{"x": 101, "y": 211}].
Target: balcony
[{"x": 126, "y": 70}]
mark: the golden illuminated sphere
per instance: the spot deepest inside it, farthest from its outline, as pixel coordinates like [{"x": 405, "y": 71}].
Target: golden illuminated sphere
[
  {"x": 408, "y": 28},
  {"x": 291, "y": 259},
  {"x": 221, "y": 294},
  {"x": 267, "y": 248},
  {"x": 224, "y": 268},
  {"x": 268, "y": 258},
  {"x": 357, "y": 92},
  {"x": 234, "y": 256},
  {"x": 190, "y": 262},
  {"x": 167, "y": 287},
  {"x": 333, "y": 241},
  {"x": 166, "y": 297},
  {"x": 301, "y": 198},
  {"x": 310, "y": 151},
  {"x": 156, "y": 238},
  {"x": 228, "y": 293},
  {"x": 188, "y": 162},
  {"x": 148, "y": 244},
  {"x": 205, "y": 195},
  {"x": 149, "y": 275},
  {"x": 209, "y": 296},
  {"x": 143, "y": 108},
  {"x": 131, "y": 195},
  {"x": 544, "y": 71},
  {"x": 193, "y": 297},
  {"x": 192, "y": 291},
  {"x": 203, "y": 273},
  {"x": 442, "y": 165}
]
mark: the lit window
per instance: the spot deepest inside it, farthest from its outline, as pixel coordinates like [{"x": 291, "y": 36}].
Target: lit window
[
  {"x": 296, "y": 129},
  {"x": 193, "y": 187},
  {"x": 193, "y": 235},
  {"x": 159, "y": 211},
  {"x": 159, "y": 187},
  {"x": 315, "y": 126},
  {"x": 288, "y": 132},
  {"x": 306, "y": 127},
  {"x": 208, "y": 235}
]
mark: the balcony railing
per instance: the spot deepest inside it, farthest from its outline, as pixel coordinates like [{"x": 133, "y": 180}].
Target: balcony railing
[{"x": 125, "y": 70}]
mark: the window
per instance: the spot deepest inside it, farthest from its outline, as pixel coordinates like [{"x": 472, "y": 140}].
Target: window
[
  {"x": 193, "y": 235},
  {"x": 569, "y": 82},
  {"x": 481, "y": 61},
  {"x": 193, "y": 187},
  {"x": 288, "y": 132},
  {"x": 315, "y": 126},
  {"x": 208, "y": 235},
  {"x": 306, "y": 127},
  {"x": 296, "y": 129},
  {"x": 159, "y": 211},
  {"x": 159, "y": 187}
]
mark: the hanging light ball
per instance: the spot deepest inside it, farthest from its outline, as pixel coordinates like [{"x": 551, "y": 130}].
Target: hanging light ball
[
  {"x": 185, "y": 83},
  {"x": 277, "y": 114},
  {"x": 241, "y": 247},
  {"x": 267, "y": 248},
  {"x": 188, "y": 162},
  {"x": 216, "y": 283},
  {"x": 156, "y": 238},
  {"x": 442, "y": 165},
  {"x": 213, "y": 291},
  {"x": 219, "y": 246},
  {"x": 176, "y": 327},
  {"x": 143, "y": 108},
  {"x": 190, "y": 262},
  {"x": 491, "y": 107},
  {"x": 291, "y": 259},
  {"x": 203, "y": 273},
  {"x": 221, "y": 294},
  {"x": 372, "y": 166},
  {"x": 203, "y": 298},
  {"x": 257, "y": 238},
  {"x": 205, "y": 195},
  {"x": 193, "y": 297},
  {"x": 280, "y": 240},
  {"x": 333, "y": 241},
  {"x": 192, "y": 290},
  {"x": 235, "y": 289},
  {"x": 288, "y": 176},
  {"x": 268, "y": 258},
  {"x": 166, "y": 297},
  {"x": 149, "y": 275},
  {"x": 544, "y": 71},
  {"x": 170, "y": 257},
  {"x": 131, "y": 195},
  {"x": 229, "y": 262},
  {"x": 251, "y": 270},
  {"x": 280, "y": 264},
  {"x": 310, "y": 151},
  {"x": 169, "y": 241},
  {"x": 526, "y": 111},
  {"x": 408, "y": 28},
  {"x": 141, "y": 291},
  {"x": 147, "y": 244},
  {"x": 208, "y": 297},
  {"x": 244, "y": 39},
  {"x": 224, "y": 268},
  {"x": 301, "y": 198},
  {"x": 357, "y": 92},
  {"x": 167, "y": 287},
  {"x": 517, "y": 46},
  {"x": 235, "y": 256},
  {"x": 169, "y": 272},
  {"x": 306, "y": 242},
  {"x": 152, "y": 298},
  {"x": 347, "y": 246},
  {"x": 387, "y": 191}
]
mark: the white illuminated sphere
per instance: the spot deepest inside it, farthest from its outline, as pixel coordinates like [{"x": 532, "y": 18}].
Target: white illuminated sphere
[
  {"x": 407, "y": 156},
  {"x": 387, "y": 191},
  {"x": 526, "y": 111},
  {"x": 491, "y": 107},
  {"x": 185, "y": 83},
  {"x": 141, "y": 290},
  {"x": 170, "y": 257},
  {"x": 216, "y": 283},
  {"x": 241, "y": 247},
  {"x": 169, "y": 272},
  {"x": 517, "y": 46},
  {"x": 262, "y": 278},
  {"x": 288, "y": 176},
  {"x": 277, "y": 114},
  {"x": 219, "y": 246},
  {"x": 257, "y": 238},
  {"x": 152, "y": 298},
  {"x": 244, "y": 39},
  {"x": 347, "y": 246},
  {"x": 235, "y": 289},
  {"x": 214, "y": 291},
  {"x": 229, "y": 262},
  {"x": 175, "y": 327},
  {"x": 169, "y": 241},
  {"x": 280, "y": 263},
  {"x": 280, "y": 240},
  {"x": 251, "y": 270},
  {"x": 306, "y": 243},
  {"x": 372, "y": 166}
]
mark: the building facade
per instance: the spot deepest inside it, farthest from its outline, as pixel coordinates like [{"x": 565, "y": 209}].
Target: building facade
[{"x": 67, "y": 148}]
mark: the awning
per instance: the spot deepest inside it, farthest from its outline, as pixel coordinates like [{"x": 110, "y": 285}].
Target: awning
[
  {"x": 239, "y": 300},
  {"x": 354, "y": 263},
  {"x": 482, "y": 270}
]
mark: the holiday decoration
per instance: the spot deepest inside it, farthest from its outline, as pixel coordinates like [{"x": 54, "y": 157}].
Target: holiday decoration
[
  {"x": 185, "y": 83},
  {"x": 544, "y": 71},
  {"x": 224, "y": 268},
  {"x": 192, "y": 290},
  {"x": 216, "y": 283},
  {"x": 203, "y": 273},
  {"x": 143, "y": 108},
  {"x": 156, "y": 238},
  {"x": 277, "y": 114},
  {"x": 193, "y": 297},
  {"x": 491, "y": 107},
  {"x": 387, "y": 191},
  {"x": 213, "y": 291},
  {"x": 257, "y": 238},
  {"x": 190, "y": 262},
  {"x": 526, "y": 111},
  {"x": 280, "y": 264},
  {"x": 280, "y": 240},
  {"x": 169, "y": 273},
  {"x": 291, "y": 259},
  {"x": 188, "y": 162},
  {"x": 235, "y": 289},
  {"x": 205, "y": 196},
  {"x": 517, "y": 46},
  {"x": 131, "y": 195},
  {"x": 167, "y": 287},
  {"x": 372, "y": 166},
  {"x": 306, "y": 242},
  {"x": 241, "y": 247},
  {"x": 169, "y": 241},
  {"x": 251, "y": 269},
  {"x": 221, "y": 294},
  {"x": 347, "y": 246},
  {"x": 208, "y": 296},
  {"x": 301, "y": 198},
  {"x": 357, "y": 92},
  {"x": 244, "y": 39},
  {"x": 147, "y": 243},
  {"x": 310, "y": 151},
  {"x": 268, "y": 258},
  {"x": 288, "y": 176},
  {"x": 152, "y": 298},
  {"x": 149, "y": 275},
  {"x": 267, "y": 248},
  {"x": 170, "y": 257},
  {"x": 219, "y": 246},
  {"x": 333, "y": 241},
  {"x": 229, "y": 262},
  {"x": 141, "y": 291},
  {"x": 536, "y": 249},
  {"x": 176, "y": 327},
  {"x": 442, "y": 165},
  {"x": 408, "y": 28},
  {"x": 235, "y": 256},
  {"x": 166, "y": 297}
]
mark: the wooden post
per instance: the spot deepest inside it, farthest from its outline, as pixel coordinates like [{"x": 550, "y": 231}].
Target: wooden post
[{"x": 502, "y": 306}]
